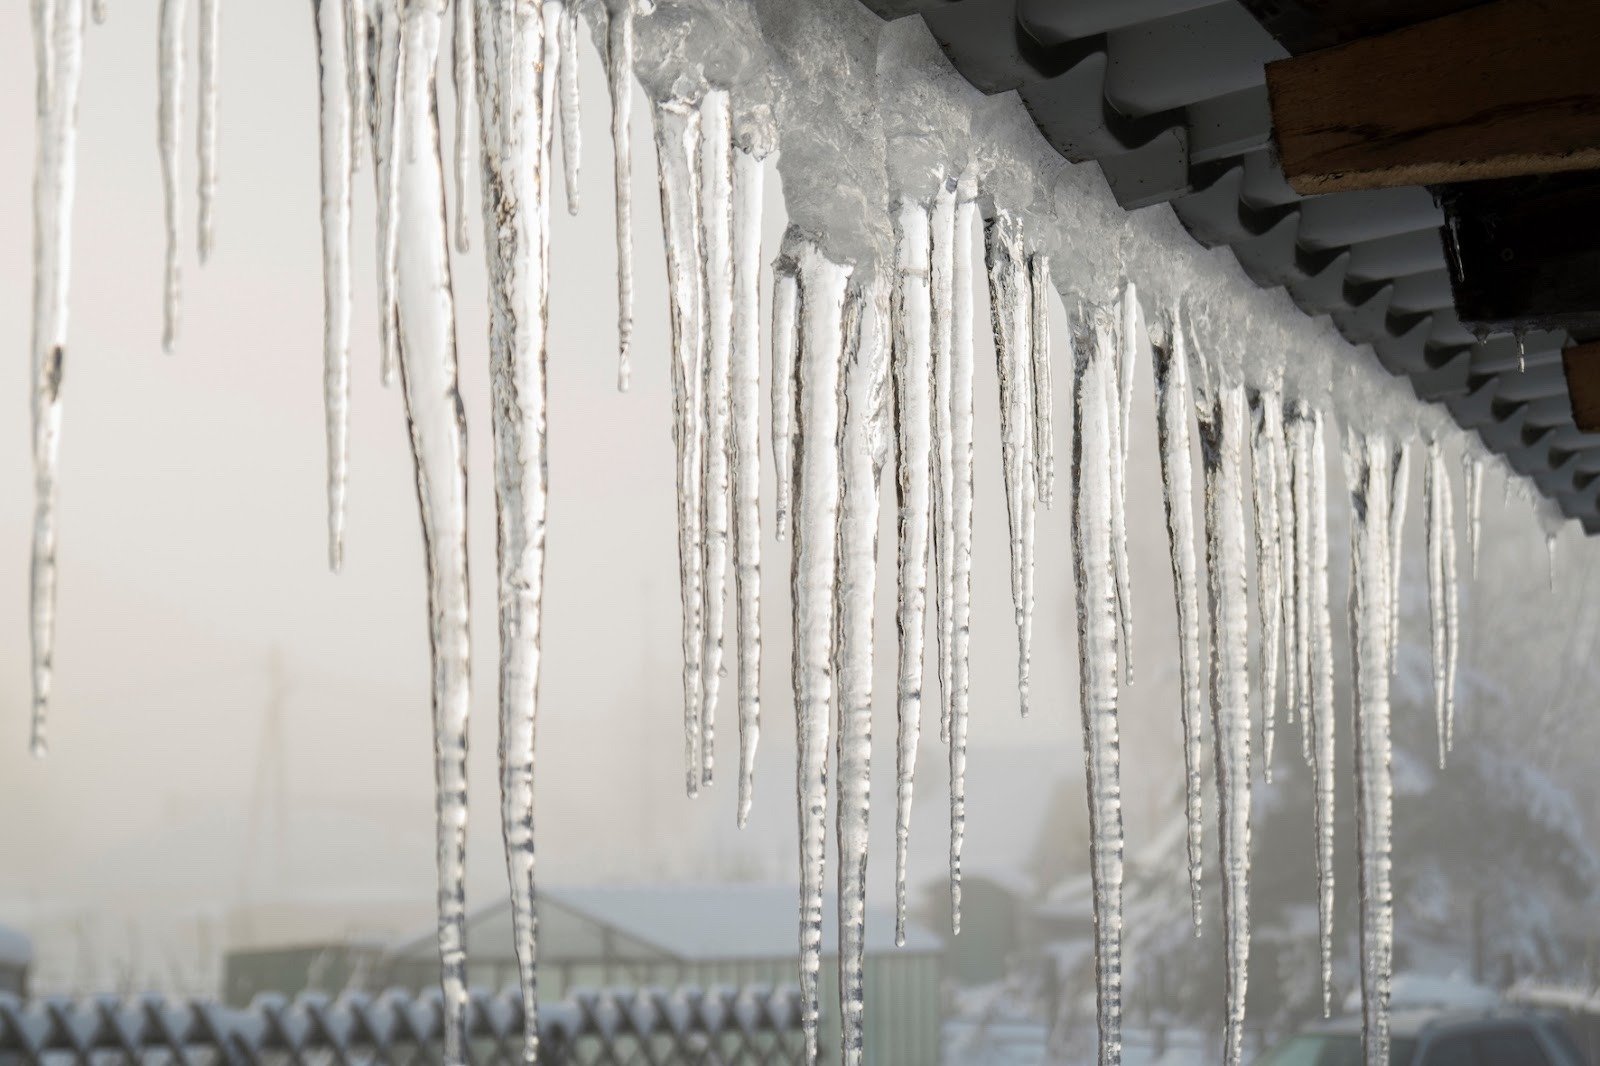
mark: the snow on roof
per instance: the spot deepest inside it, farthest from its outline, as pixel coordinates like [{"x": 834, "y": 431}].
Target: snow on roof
[
  {"x": 16, "y": 950},
  {"x": 701, "y": 922}
]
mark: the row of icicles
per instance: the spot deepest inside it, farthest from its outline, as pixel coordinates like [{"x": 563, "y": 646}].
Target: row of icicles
[{"x": 869, "y": 368}]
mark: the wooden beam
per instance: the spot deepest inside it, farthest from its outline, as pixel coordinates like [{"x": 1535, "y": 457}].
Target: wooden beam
[
  {"x": 1506, "y": 89},
  {"x": 1303, "y": 26},
  {"x": 1582, "y": 365},
  {"x": 1524, "y": 253}
]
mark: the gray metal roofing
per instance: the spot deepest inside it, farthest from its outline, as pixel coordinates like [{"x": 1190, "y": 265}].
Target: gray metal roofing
[{"x": 1170, "y": 98}]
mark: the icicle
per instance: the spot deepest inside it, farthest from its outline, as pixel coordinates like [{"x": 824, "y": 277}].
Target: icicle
[
  {"x": 1010, "y": 295},
  {"x": 619, "y": 80},
  {"x": 1300, "y": 431},
  {"x": 100, "y": 12},
  {"x": 1222, "y": 444},
  {"x": 913, "y": 383},
  {"x": 206, "y": 151},
  {"x": 386, "y": 74},
  {"x": 865, "y": 449},
  {"x": 570, "y": 146},
  {"x": 1441, "y": 589},
  {"x": 463, "y": 70},
  {"x": 941, "y": 272},
  {"x": 334, "y": 108},
  {"x": 1177, "y": 480},
  {"x": 1131, "y": 340},
  {"x": 1311, "y": 487},
  {"x": 58, "y": 40},
  {"x": 427, "y": 346},
  {"x": 962, "y": 324},
  {"x": 1094, "y": 395},
  {"x": 1550, "y": 559},
  {"x": 355, "y": 27},
  {"x": 1367, "y": 466},
  {"x": 515, "y": 201},
  {"x": 1452, "y": 615},
  {"x": 1288, "y": 573},
  {"x": 785, "y": 344},
  {"x": 169, "y": 114},
  {"x": 1266, "y": 411},
  {"x": 1400, "y": 478},
  {"x": 817, "y": 488},
  {"x": 677, "y": 126},
  {"x": 1040, "y": 288},
  {"x": 1473, "y": 468},
  {"x": 748, "y": 172},
  {"x": 716, "y": 238}
]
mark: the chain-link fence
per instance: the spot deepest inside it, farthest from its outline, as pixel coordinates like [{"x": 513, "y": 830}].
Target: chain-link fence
[{"x": 617, "y": 1027}]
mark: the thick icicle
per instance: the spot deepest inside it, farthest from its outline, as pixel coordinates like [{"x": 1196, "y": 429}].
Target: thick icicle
[
  {"x": 1452, "y": 613},
  {"x": 1288, "y": 574},
  {"x": 515, "y": 161},
  {"x": 1266, "y": 418},
  {"x": 1177, "y": 483},
  {"x": 355, "y": 26},
  {"x": 1441, "y": 591},
  {"x": 569, "y": 107},
  {"x": 961, "y": 333},
  {"x": 206, "y": 131},
  {"x": 1399, "y": 480},
  {"x": 1040, "y": 292},
  {"x": 677, "y": 127},
  {"x": 619, "y": 80},
  {"x": 785, "y": 346},
  {"x": 940, "y": 272},
  {"x": 864, "y": 452},
  {"x": 333, "y": 58},
  {"x": 58, "y": 40},
  {"x": 1131, "y": 338},
  {"x": 1311, "y": 497},
  {"x": 169, "y": 115},
  {"x": 387, "y": 74},
  {"x": 1368, "y": 459},
  {"x": 1094, "y": 394},
  {"x": 1473, "y": 470},
  {"x": 716, "y": 245},
  {"x": 912, "y": 312},
  {"x": 815, "y": 547},
  {"x": 427, "y": 346},
  {"x": 1222, "y": 445},
  {"x": 1010, "y": 295},
  {"x": 748, "y": 172},
  {"x": 463, "y": 71},
  {"x": 1299, "y": 430}
]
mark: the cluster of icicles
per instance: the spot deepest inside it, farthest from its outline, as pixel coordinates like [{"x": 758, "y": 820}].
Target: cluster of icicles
[{"x": 869, "y": 368}]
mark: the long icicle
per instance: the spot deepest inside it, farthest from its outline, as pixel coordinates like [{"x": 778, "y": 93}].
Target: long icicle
[
  {"x": 333, "y": 61},
  {"x": 912, "y": 312},
  {"x": 1452, "y": 612},
  {"x": 1368, "y": 459},
  {"x": 1222, "y": 445},
  {"x": 941, "y": 270},
  {"x": 677, "y": 126},
  {"x": 716, "y": 242},
  {"x": 380, "y": 36},
  {"x": 1012, "y": 316},
  {"x": 1173, "y": 412},
  {"x": 571, "y": 148},
  {"x": 206, "y": 130},
  {"x": 748, "y": 173},
  {"x": 427, "y": 346},
  {"x": 1473, "y": 468},
  {"x": 463, "y": 72},
  {"x": 865, "y": 450},
  {"x": 815, "y": 547},
  {"x": 1040, "y": 292},
  {"x": 1288, "y": 574},
  {"x": 1266, "y": 416},
  {"x": 962, "y": 324},
  {"x": 515, "y": 202},
  {"x": 355, "y": 27},
  {"x": 1399, "y": 481},
  {"x": 1301, "y": 432},
  {"x": 1436, "y": 486},
  {"x": 58, "y": 40},
  {"x": 1130, "y": 340},
  {"x": 1094, "y": 393},
  {"x": 1311, "y": 478},
  {"x": 619, "y": 81},
  {"x": 169, "y": 115},
  {"x": 785, "y": 348}
]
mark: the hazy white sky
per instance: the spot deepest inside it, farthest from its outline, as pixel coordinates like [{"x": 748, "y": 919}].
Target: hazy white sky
[{"x": 192, "y": 543}]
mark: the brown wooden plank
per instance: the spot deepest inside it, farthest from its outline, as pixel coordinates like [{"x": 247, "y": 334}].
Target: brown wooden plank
[
  {"x": 1582, "y": 365},
  {"x": 1304, "y": 26},
  {"x": 1502, "y": 90}
]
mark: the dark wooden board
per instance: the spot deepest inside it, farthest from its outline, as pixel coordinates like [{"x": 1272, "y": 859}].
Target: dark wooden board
[
  {"x": 1582, "y": 365},
  {"x": 1304, "y": 26}
]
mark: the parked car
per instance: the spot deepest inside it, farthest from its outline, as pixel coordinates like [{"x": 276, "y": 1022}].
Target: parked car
[{"x": 1439, "y": 1038}]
